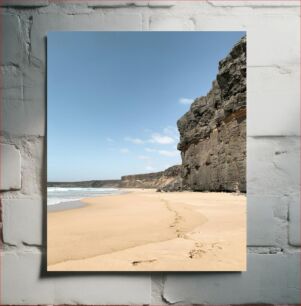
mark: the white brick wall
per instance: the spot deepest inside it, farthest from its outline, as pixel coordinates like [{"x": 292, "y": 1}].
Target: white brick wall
[
  {"x": 10, "y": 171},
  {"x": 167, "y": 23},
  {"x": 24, "y": 283},
  {"x": 12, "y": 42},
  {"x": 270, "y": 279},
  {"x": 23, "y": 222},
  {"x": 273, "y": 151},
  {"x": 281, "y": 98},
  {"x": 24, "y": 3},
  {"x": 294, "y": 220},
  {"x": 272, "y": 165}
]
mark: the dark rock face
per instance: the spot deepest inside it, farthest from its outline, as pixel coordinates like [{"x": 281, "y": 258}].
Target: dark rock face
[
  {"x": 152, "y": 180},
  {"x": 213, "y": 131}
]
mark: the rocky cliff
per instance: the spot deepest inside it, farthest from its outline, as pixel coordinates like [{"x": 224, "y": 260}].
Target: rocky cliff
[
  {"x": 87, "y": 184},
  {"x": 168, "y": 179},
  {"x": 213, "y": 131}
]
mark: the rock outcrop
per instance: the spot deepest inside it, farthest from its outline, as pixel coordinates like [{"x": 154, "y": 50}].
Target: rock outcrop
[
  {"x": 163, "y": 180},
  {"x": 87, "y": 184},
  {"x": 169, "y": 179},
  {"x": 213, "y": 131}
]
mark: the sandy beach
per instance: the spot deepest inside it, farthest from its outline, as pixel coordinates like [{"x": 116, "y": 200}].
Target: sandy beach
[{"x": 144, "y": 230}]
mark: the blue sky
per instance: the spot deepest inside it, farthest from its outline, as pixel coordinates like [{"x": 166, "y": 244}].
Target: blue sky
[{"x": 114, "y": 98}]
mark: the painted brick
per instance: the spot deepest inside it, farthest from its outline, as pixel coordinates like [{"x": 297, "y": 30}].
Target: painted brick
[
  {"x": 64, "y": 7},
  {"x": 279, "y": 88},
  {"x": 154, "y": 3},
  {"x": 294, "y": 220},
  {"x": 261, "y": 224},
  {"x": 207, "y": 21},
  {"x": 270, "y": 31},
  {"x": 116, "y": 4},
  {"x": 11, "y": 83},
  {"x": 33, "y": 167},
  {"x": 22, "y": 283},
  {"x": 157, "y": 283},
  {"x": 22, "y": 221},
  {"x": 44, "y": 23},
  {"x": 169, "y": 23},
  {"x": 111, "y": 4},
  {"x": 24, "y": 3},
  {"x": 251, "y": 3},
  {"x": 22, "y": 104},
  {"x": 10, "y": 167},
  {"x": 23, "y": 95},
  {"x": 23, "y": 119},
  {"x": 25, "y": 113},
  {"x": 273, "y": 165},
  {"x": 266, "y": 217},
  {"x": 269, "y": 279},
  {"x": 12, "y": 44},
  {"x": 107, "y": 4},
  {"x": 78, "y": 5}
]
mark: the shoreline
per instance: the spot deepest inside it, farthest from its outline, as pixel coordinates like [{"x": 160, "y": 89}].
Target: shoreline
[
  {"x": 72, "y": 204},
  {"x": 145, "y": 230},
  {"x": 62, "y": 206}
]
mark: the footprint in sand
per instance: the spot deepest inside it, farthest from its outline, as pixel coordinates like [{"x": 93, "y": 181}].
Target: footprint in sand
[
  {"x": 135, "y": 263},
  {"x": 176, "y": 222},
  {"x": 181, "y": 234},
  {"x": 216, "y": 245},
  {"x": 197, "y": 252}
]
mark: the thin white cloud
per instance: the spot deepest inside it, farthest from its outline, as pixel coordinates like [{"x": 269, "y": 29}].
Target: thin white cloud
[
  {"x": 108, "y": 139},
  {"x": 124, "y": 151},
  {"x": 168, "y": 136},
  {"x": 134, "y": 140},
  {"x": 185, "y": 101},
  {"x": 149, "y": 168},
  {"x": 171, "y": 130},
  {"x": 161, "y": 139},
  {"x": 168, "y": 153}
]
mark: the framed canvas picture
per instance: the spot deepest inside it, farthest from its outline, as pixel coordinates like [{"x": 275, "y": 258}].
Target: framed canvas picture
[{"x": 146, "y": 151}]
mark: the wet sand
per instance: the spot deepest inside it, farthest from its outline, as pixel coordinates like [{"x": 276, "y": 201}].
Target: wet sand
[
  {"x": 65, "y": 206},
  {"x": 144, "y": 230}
]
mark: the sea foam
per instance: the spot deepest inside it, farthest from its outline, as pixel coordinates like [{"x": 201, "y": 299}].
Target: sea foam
[{"x": 56, "y": 195}]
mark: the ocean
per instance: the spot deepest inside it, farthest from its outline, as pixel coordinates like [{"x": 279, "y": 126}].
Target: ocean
[{"x": 56, "y": 195}]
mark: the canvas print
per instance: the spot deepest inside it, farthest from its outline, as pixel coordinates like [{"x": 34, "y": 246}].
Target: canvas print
[{"x": 146, "y": 151}]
